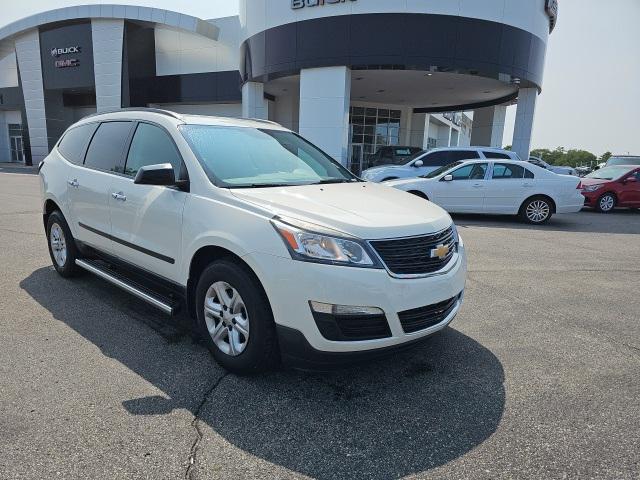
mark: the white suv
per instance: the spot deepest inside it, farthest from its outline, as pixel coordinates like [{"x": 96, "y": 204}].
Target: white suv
[
  {"x": 426, "y": 162},
  {"x": 275, "y": 250}
]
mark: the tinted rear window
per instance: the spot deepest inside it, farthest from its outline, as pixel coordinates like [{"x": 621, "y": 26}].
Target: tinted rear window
[
  {"x": 74, "y": 144},
  {"x": 498, "y": 155},
  {"x": 107, "y": 146}
]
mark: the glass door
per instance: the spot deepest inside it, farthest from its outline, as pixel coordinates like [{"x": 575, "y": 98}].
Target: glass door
[
  {"x": 17, "y": 151},
  {"x": 357, "y": 158}
]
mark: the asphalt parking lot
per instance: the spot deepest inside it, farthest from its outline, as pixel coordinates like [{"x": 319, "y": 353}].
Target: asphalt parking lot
[{"x": 539, "y": 376}]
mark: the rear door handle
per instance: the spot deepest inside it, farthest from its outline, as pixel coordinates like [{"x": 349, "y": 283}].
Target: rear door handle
[
  {"x": 119, "y": 196},
  {"x": 527, "y": 185},
  {"x": 477, "y": 185},
  {"x": 73, "y": 183}
]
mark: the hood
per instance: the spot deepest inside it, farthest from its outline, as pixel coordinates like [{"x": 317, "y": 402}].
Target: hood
[
  {"x": 401, "y": 182},
  {"x": 379, "y": 168},
  {"x": 365, "y": 210},
  {"x": 594, "y": 181}
]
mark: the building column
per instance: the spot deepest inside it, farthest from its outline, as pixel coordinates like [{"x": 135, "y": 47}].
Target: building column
[
  {"x": 254, "y": 105},
  {"x": 325, "y": 96},
  {"x": 524, "y": 122},
  {"x": 30, "y": 65},
  {"x": 426, "y": 131},
  {"x": 488, "y": 126},
  {"x": 108, "y": 37}
]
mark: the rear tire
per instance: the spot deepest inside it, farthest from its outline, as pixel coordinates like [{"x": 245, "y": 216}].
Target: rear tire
[
  {"x": 62, "y": 246},
  {"x": 606, "y": 203},
  {"x": 536, "y": 211},
  {"x": 235, "y": 319}
]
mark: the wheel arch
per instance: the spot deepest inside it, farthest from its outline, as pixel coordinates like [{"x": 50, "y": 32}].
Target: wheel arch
[
  {"x": 202, "y": 258},
  {"x": 48, "y": 208},
  {"x": 418, "y": 193},
  {"x": 549, "y": 198}
]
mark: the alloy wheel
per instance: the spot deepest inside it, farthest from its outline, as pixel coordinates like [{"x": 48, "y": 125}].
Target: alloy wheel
[
  {"x": 227, "y": 319},
  {"x": 58, "y": 244},
  {"x": 607, "y": 203},
  {"x": 538, "y": 211}
]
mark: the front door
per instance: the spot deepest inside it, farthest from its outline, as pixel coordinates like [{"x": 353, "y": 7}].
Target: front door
[
  {"x": 465, "y": 193},
  {"x": 630, "y": 193},
  {"x": 146, "y": 220}
]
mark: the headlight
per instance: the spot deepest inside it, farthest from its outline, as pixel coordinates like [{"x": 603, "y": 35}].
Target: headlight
[
  {"x": 456, "y": 235},
  {"x": 312, "y": 243},
  {"x": 591, "y": 188}
]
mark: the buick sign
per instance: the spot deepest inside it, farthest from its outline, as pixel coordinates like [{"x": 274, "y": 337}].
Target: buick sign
[
  {"x": 56, "y": 52},
  {"x": 297, "y": 4}
]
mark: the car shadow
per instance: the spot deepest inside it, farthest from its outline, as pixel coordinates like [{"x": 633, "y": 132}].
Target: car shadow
[
  {"x": 620, "y": 221},
  {"x": 402, "y": 415}
]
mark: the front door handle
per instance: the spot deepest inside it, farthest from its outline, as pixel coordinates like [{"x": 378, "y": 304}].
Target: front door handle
[
  {"x": 527, "y": 185},
  {"x": 73, "y": 183},
  {"x": 119, "y": 196},
  {"x": 477, "y": 185}
]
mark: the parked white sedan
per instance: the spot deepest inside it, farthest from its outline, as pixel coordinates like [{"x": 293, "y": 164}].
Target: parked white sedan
[{"x": 502, "y": 187}]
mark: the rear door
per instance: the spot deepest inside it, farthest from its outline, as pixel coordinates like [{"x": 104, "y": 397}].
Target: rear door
[
  {"x": 510, "y": 184},
  {"x": 465, "y": 194},
  {"x": 90, "y": 184},
  {"x": 147, "y": 219}
]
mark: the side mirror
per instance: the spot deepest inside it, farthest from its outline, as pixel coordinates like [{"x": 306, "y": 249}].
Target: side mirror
[
  {"x": 161, "y": 174},
  {"x": 418, "y": 164},
  {"x": 447, "y": 178}
]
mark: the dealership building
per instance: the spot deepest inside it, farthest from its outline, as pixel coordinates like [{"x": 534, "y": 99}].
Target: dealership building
[{"x": 349, "y": 75}]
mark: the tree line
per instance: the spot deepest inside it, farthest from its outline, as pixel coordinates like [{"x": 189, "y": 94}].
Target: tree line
[{"x": 571, "y": 157}]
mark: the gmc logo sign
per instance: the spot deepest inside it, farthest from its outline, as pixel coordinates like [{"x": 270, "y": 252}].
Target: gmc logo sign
[
  {"x": 56, "y": 52},
  {"x": 297, "y": 4}
]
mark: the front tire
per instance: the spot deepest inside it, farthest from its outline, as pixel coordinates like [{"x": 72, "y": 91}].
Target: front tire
[
  {"x": 62, "y": 246},
  {"x": 606, "y": 203},
  {"x": 536, "y": 211},
  {"x": 235, "y": 319}
]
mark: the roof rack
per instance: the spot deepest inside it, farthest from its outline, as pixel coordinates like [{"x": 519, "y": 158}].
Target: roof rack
[{"x": 168, "y": 113}]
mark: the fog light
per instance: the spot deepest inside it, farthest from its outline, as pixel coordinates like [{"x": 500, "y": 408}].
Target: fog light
[{"x": 344, "y": 310}]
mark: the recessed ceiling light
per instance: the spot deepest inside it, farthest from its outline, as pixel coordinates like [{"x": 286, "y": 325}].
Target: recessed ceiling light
[{"x": 429, "y": 75}]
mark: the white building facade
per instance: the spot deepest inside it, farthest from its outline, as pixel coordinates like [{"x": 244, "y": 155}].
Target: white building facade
[{"x": 349, "y": 75}]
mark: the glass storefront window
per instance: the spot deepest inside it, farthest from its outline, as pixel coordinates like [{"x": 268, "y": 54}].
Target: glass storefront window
[{"x": 371, "y": 129}]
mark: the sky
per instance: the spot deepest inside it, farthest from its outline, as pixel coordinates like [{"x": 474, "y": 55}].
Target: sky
[{"x": 591, "y": 91}]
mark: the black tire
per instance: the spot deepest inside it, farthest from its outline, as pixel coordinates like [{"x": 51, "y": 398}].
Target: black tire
[
  {"x": 68, "y": 268},
  {"x": 261, "y": 347},
  {"x": 536, "y": 210},
  {"x": 606, "y": 203}
]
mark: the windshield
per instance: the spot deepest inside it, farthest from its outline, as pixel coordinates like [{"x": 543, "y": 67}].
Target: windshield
[
  {"x": 614, "y": 161},
  {"x": 398, "y": 156},
  {"x": 609, "y": 173},
  {"x": 441, "y": 170},
  {"x": 238, "y": 157}
]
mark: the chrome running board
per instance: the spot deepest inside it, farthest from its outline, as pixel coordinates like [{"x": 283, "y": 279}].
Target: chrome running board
[{"x": 121, "y": 281}]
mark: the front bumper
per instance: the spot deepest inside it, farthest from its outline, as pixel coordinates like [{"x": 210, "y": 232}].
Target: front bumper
[{"x": 290, "y": 285}]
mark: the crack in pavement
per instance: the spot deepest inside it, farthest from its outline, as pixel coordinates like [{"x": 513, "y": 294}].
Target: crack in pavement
[{"x": 196, "y": 426}]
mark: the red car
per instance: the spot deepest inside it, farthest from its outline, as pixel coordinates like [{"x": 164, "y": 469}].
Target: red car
[{"x": 612, "y": 187}]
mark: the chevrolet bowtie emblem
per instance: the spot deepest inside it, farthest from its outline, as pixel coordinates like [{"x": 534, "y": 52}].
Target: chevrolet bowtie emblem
[{"x": 441, "y": 251}]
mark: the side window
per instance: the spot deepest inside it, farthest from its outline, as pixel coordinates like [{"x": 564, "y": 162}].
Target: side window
[
  {"x": 528, "y": 174},
  {"x": 504, "y": 171},
  {"x": 105, "y": 151},
  {"x": 497, "y": 155},
  {"x": 475, "y": 171},
  {"x": 74, "y": 144},
  {"x": 151, "y": 145},
  {"x": 437, "y": 159}
]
